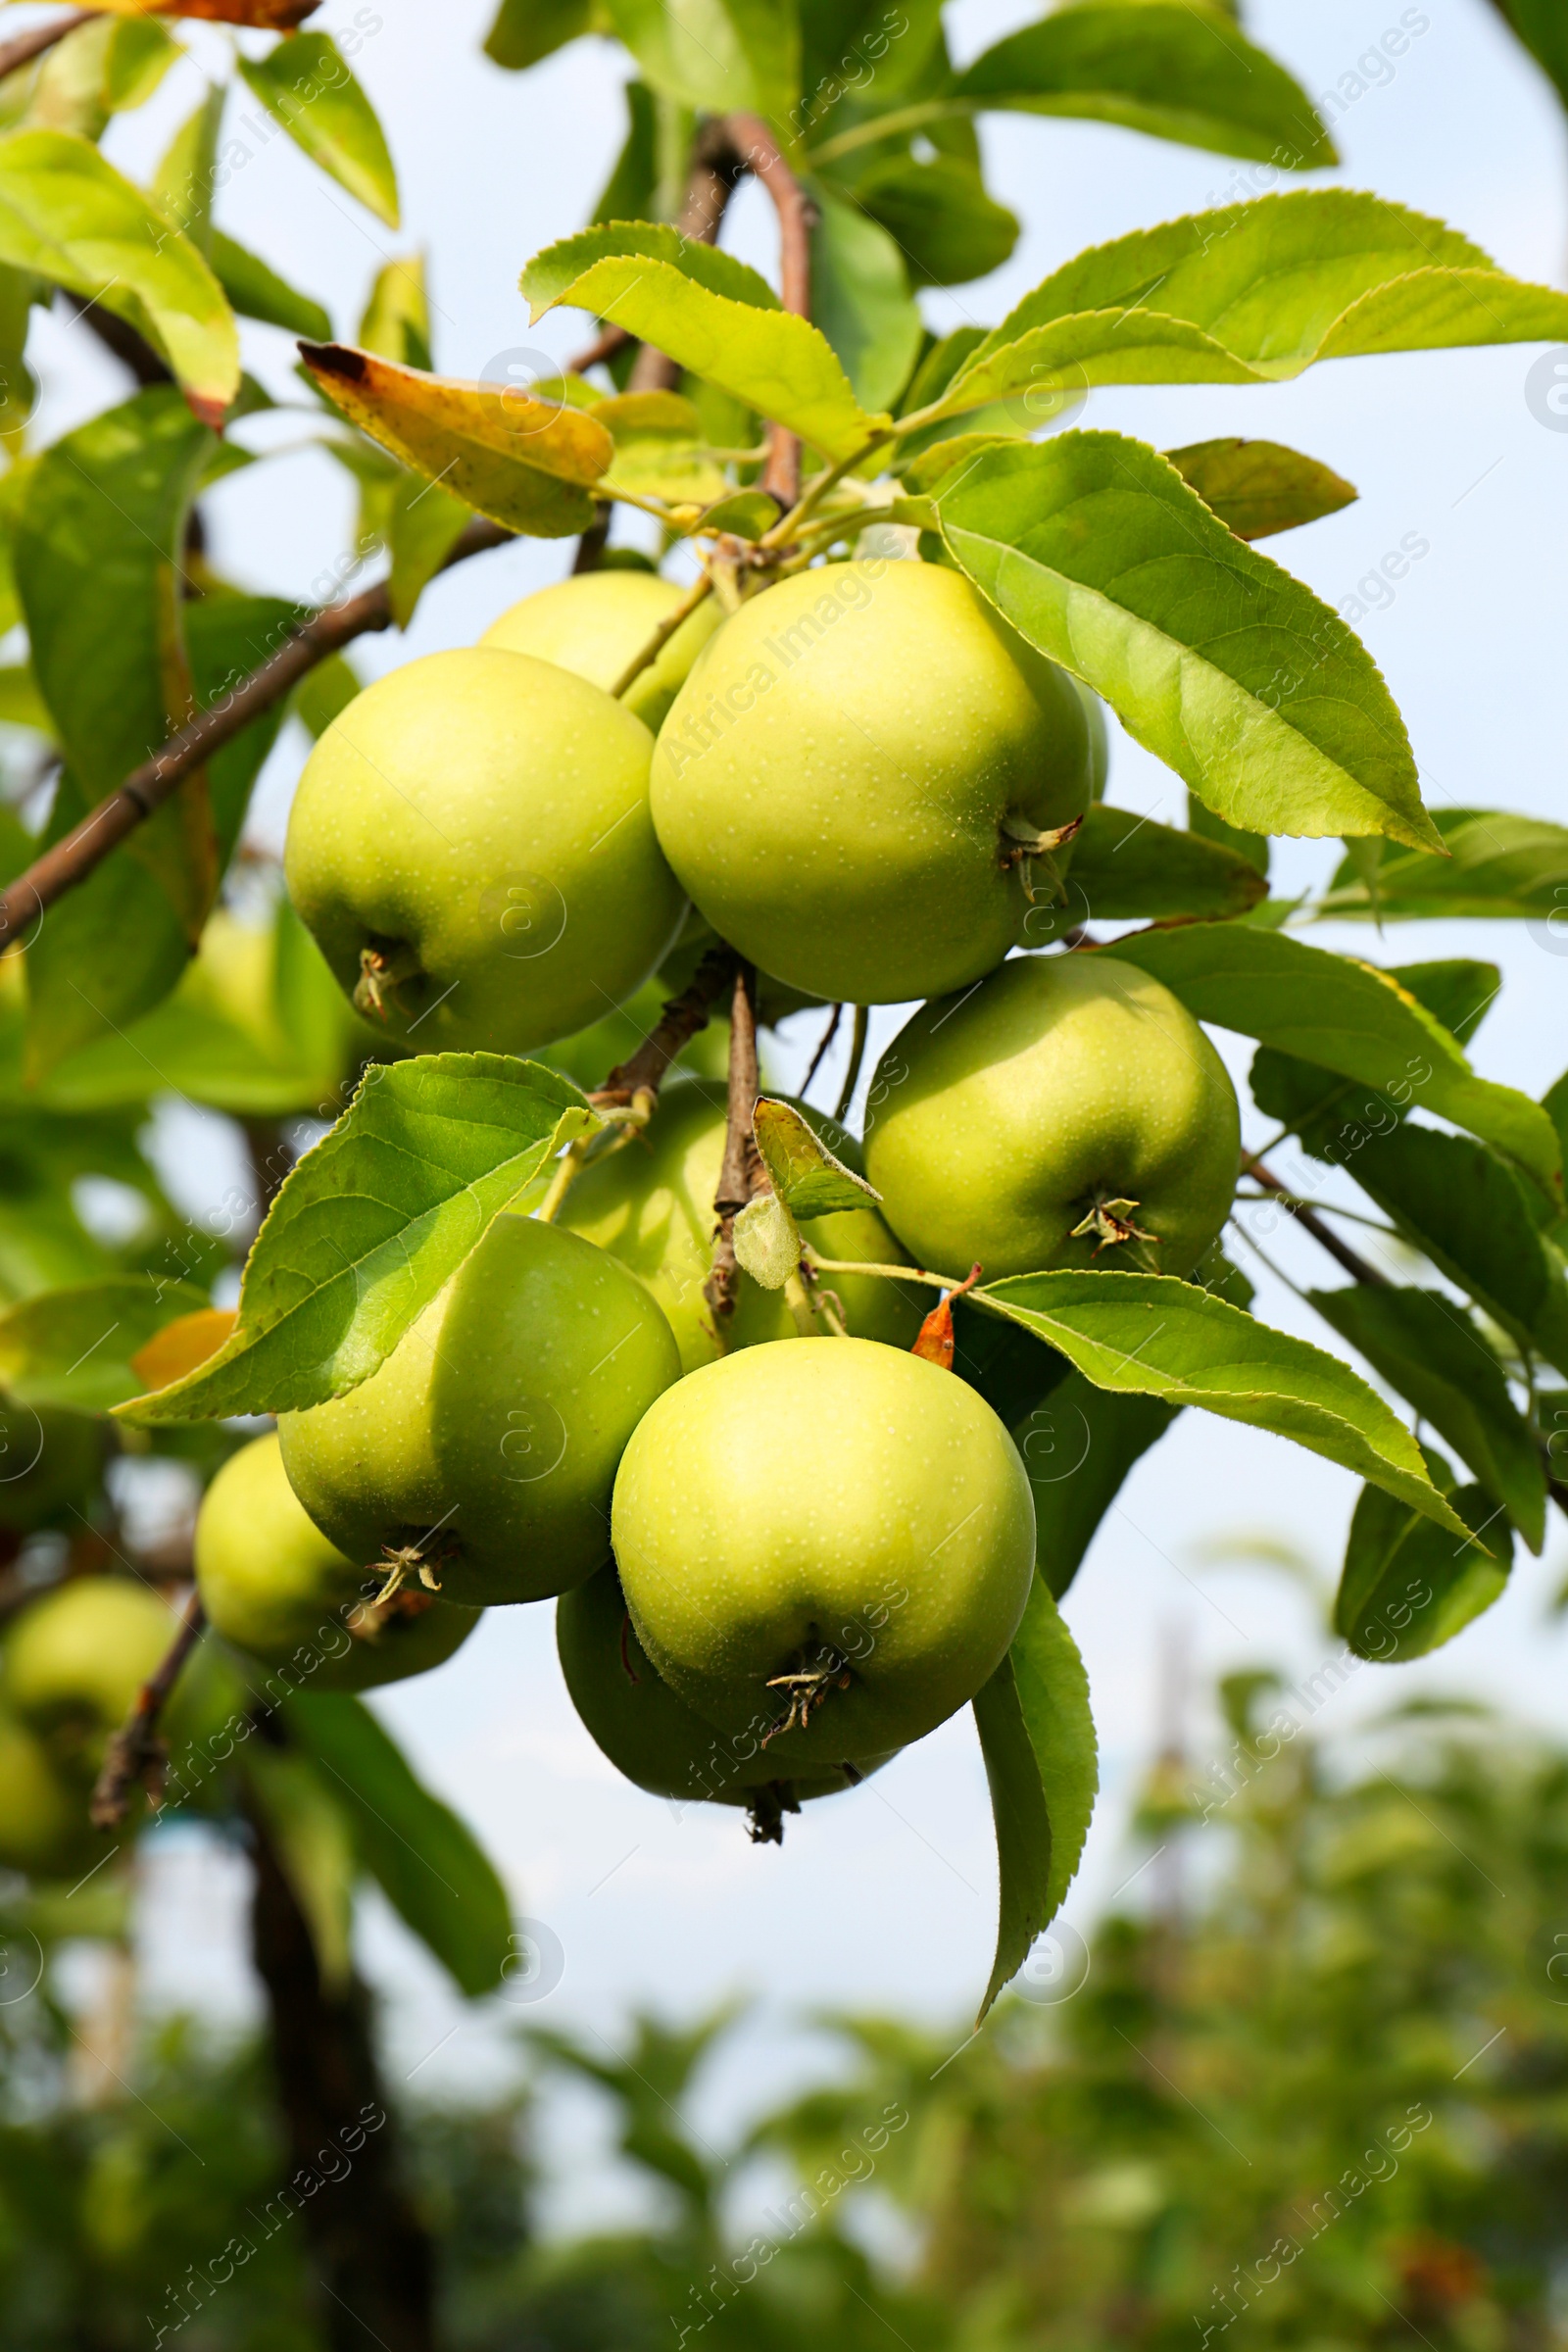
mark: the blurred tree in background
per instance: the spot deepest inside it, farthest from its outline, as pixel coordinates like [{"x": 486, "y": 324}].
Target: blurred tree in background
[{"x": 1315, "y": 2092}]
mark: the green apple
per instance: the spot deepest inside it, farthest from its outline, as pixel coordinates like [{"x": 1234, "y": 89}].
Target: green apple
[
  {"x": 44, "y": 1829},
  {"x": 273, "y": 1586},
  {"x": 842, "y": 782},
  {"x": 598, "y": 622},
  {"x": 635, "y": 1719},
  {"x": 76, "y": 1658},
  {"x": 472, "y": 849},
  {"x": 484, "y": 1451},
  {"x": 1069, "y": 1111},
  {"x": 832, "y": 1543},
  {"x": 650, "y": 1206},
  {"x": 48, "y": 1460}
]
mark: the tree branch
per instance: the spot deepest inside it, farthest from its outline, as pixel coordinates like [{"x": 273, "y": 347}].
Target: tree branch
[
  {"x": 797, "y": 215},
  {"x": 1354, "y": 1264},
  {"x": 741, "y": 1174},
  {"x": 136, "y": 1754},
  {"x": 27, "y": 45},
  {"x": 72, "y": 859},
  {"x": 682, "y": 1018}
]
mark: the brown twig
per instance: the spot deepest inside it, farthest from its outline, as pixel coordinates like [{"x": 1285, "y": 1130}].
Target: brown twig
[
  {"x": 851, "y": 1076},
  {"x": 27, "y": 45},
  {"x": 679, "y": 1022},
  {"x": 715, "y": 169},
  {"x": 72, "y": 859},
  {"x": 136, "y": 1754},
  {"x": 797, "y": 215},
  {"x": 1354, "y": 1264},
  {"x": 591, "y": 546},
  {"x": 741, "y": 1174},
  {"x": 823, "y": 1043}
]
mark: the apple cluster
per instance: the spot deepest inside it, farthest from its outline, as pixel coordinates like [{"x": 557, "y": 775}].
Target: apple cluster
[{"x": 780, "y": 1554}]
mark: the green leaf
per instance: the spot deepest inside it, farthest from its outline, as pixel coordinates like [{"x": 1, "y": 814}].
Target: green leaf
[
  {"x": 182, "y": 184},
  {"x": 746, "y": 514},
  {"x": 1497, "y": 866},
  {"x": 430, "y": 1866},
  {"x": 1258, "y": 488},
  {"x": 1430, "y": 1350},
  {"x": 1078, "y": 1448},
  {"x": 371, "y": 1224},
  {"x": 314, "y": 1847},
  {"x": 1540, "y": 25},
  {"x": 1406, "y": 1587},
  {"x": 69, "y": 216},
  {"x": 526, "y": 31},
  {"x": 1177, "y": 71},
  {"x": 767, "y": 1241},
  {"x": 659, "y": 449},
  {"x": 396, "y": 325},
  {"x": 529, "y": 463},
  {"x": 1149, "y": 1335},
  {"x": 860, "y": 300},
  {"x": 714, "y": 321},
  {"x": 426, "y": 523},
  {"x": 1022, "y": 1822},
  {"x": 324, "y": 692},
  {"x": 808, "y": 1178},
  {"x": 73, "y": 1348},
  {"x": 1215, "y": 660},
  {"x": 1037, "y": 1736},
  {"x": 629, "y": 193},
  {"x": 228, "y": 636},
  {"x": 305, "y": 83},
  {"x": 1255, "y": 293},
  {"x": 721, "y": 55},
  {"x": 1253, "y": 847},
  {"x": 1126, "y": 866},
  {"x": 939, "y": 217},
  {"x": 99, "y": 553},
  {"x": 1349, "y": 1018},
  {"x": 257, "y": 291},
  {"x": 1054, "y": 1694},
  {"x": 1466, "y": 1211}
]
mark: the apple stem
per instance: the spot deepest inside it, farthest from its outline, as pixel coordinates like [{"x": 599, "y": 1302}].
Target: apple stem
[
  {"x": 135, "y": 1752},
  {"x": 846, "y": 1265},
  {"x": 650, "y": 653},
  {"x": 797, "y": 1299}
]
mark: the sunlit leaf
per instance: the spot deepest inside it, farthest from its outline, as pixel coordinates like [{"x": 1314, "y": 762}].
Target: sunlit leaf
[
  {"x": 306, "y": 85},
  {"x": 74, "y": 1347},
  {"x": 256, "y": 291}
]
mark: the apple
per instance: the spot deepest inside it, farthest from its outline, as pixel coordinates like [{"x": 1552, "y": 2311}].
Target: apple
[
  {"x": 273, "y": 1586},
  {"x": 635, "y": 1719},
  {"x": 831, "y": 1543},
  {"x": 76, "y": 1656},
  {"x": 471, "y": 847},
  {"x": 836, "y": 780},
  {"x": 482, "y": 1453},
  {"x": 49, "y": 1459},
  {"x": 44, "y": 1829},
  {"x": 1069, "y": 1111},
  {"x": 598, "y": 622},
  {"x": 650, "y": 1206}
]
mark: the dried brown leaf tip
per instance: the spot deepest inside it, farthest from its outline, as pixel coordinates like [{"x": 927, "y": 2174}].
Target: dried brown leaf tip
[{"x": 935, "y": 1339}]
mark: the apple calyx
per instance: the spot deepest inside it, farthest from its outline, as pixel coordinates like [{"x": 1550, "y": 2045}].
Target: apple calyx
[
  {"x": 381, "y": 971},
  {"x": 401, "y": 1561},
  {"x": 370, "y": 1618},
  {"x": 1027, "y": 848},
  {"x": 1112, "y": 1221},
  {"x": 807, "y": 1687}
]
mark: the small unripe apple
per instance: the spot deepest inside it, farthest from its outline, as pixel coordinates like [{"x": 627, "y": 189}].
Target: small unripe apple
[
  {"x": 650, "y": 1206},
  {"x": 471, "y": 846},
  {"x": 844, "y": 780},
  {"x": 635, "y": 1719},
  {"x": 273, "y": 1586},
  {"x": 44, "y": 1829},
  {"x": 598, "y": 622},
  {"x": 76, "y": 1658},
  {"x": 1069, "y": 1111},
  {"x": 485, "y": 1448},
  {"x": 48, "y": 1460},
  {"x": 833, "y": 1543}
]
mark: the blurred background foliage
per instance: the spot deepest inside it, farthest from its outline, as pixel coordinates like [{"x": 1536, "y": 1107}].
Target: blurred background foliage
[{"x": 1312, "y": 2091}]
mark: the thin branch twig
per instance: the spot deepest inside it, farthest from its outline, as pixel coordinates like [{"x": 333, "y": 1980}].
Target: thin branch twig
[
  {"x": 72, "y": 859},
  {"x": 27, "y": 45},
  {"x": 682, "y": 1018},
  {"x": 797, "y": 216},
  {"x": 1354, "y": 1264},
  {"x": 741, "y": 1174},
  {"x": 823, "y": 1045},
  {"x": 851, "y": 1076},
  {"x": 135, "y": 1752}
]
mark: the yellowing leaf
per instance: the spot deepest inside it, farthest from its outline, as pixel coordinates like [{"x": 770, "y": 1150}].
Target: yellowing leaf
[
  {"x": 526, "y": 462},
  {"x": 182, "y": 1346}
]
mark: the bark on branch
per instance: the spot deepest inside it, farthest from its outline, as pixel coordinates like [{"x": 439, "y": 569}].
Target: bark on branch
[
  {"x": 136, "y": 1754},
  {"x": 72, "y": 859},
  {"x": 27, "y": 45},
  {"x": 741, "y": 1174},
  {"x": 797, "y": 215},
  {"x": 680, "y": 1020}
]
